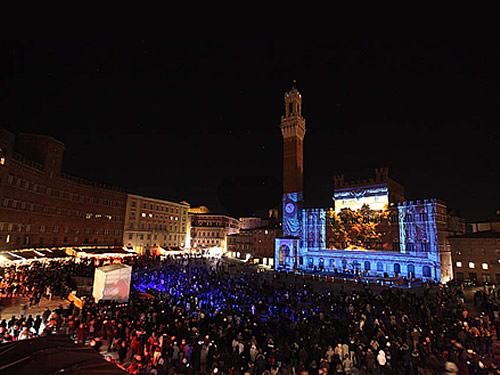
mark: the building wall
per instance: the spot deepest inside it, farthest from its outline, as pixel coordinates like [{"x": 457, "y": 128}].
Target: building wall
[
  {"x": 40, "y": 206},
  {"x": 264, "y": 241},
  {"x": 151, "y": 222},
  {"x": 486, "y": 226},
  {"x": 476, "y": 258},
  {"x": 250, "y": 222},
  {"x": 210, "y": 230},
  {"x": 395, "y": 191},
  {"x": 240, "y": 244}
]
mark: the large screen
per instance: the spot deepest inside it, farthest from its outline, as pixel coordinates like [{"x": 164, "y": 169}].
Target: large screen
[
  {"x": 376, "y": 197},
  {"x": 362, "y": 229}
]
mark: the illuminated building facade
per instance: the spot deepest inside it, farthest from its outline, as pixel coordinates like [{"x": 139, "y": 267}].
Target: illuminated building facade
[
  {"x": 153, "y": 223},
  {"x": 42, "y": 207},
  {"x": 371, "y": 230},
  {"x": 211, "y": 230}
]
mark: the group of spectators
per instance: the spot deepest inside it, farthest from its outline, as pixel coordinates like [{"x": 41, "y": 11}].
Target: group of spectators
[{"x": 199, "y": 316}]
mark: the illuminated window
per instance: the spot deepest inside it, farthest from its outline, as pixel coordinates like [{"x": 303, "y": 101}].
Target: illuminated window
[
  {"x": 484, "y": 266},
  {"x": 472, "y": 265},
  {"x": 266, "y": 232},
  {"x": 459, "y": 264},
  {"x": 2, "y": 155},
  {"x": 143, "y": 214}
]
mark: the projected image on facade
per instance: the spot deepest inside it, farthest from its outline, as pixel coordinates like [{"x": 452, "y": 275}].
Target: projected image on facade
[
  {"x": 314, "y": 228},
  {"x": 417, "y": 227},
  {"x": 376, "y": 197},
  {"x": 292, "y": 214},
  {"x": 286, "y": 256},
  {"x": 363, "y": 228}
]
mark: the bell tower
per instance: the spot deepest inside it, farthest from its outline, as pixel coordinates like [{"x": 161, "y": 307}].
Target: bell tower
[{"x": 293, "y": 129}]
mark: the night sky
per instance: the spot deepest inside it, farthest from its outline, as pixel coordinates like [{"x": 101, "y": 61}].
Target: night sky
[{"x": 198, "y": 120}]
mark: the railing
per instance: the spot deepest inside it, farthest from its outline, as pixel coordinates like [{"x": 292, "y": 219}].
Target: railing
[
  {"x": 30, "y": 163},
  {"x": 82, "y": 181}
]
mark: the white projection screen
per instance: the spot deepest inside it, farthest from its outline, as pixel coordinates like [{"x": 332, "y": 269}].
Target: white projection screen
[{"x": 112, "y": 283}]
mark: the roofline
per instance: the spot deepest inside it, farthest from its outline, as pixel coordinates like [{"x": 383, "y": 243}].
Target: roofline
[
  {"x": 155, "y": 199},
  {"x": 42, "y": 136}
]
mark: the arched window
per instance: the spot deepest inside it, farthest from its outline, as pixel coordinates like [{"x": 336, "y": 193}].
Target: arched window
[
  {"x": 367, "y": 266},
  {"x": 397, "y": 268},
  {"x": 411, "y": 270},
  {"x": 321, "y": 263},
  {"x": 380, "y": 267},
  {"x": 344, "y": 264},
  {"x": 426, "y": 271}
]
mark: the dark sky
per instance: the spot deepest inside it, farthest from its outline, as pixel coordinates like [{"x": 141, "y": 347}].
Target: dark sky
[{"x": 198, "y": 120}]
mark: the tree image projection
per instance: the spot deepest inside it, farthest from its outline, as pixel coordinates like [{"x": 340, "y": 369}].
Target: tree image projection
[{"x": 355, "y": 229}]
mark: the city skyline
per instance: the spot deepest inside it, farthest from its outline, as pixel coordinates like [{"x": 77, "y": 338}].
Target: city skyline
[{"x": 208, "y": 114}]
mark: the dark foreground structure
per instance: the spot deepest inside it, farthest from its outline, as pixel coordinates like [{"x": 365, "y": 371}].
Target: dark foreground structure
[{"x": 50, "y": 355}]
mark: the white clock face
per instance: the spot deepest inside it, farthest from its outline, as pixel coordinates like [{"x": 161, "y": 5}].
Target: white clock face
[{"x": 289, "y": 207}]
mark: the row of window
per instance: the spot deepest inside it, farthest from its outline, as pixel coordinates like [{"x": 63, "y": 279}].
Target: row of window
[
  {"x": 28, "y": 228},
  {"x": 140, "y": 236},
  {"x": 156, "y": 216},
  {"x": 157, "y": 226},
  {"x": 52, "y": 210},
  {"x": 41, "y": 189},
  {"x": 344, "y": 264},
  {"x": 472, "y": 265},
  {"x": 165, "y": 244},
  {"x": 27, "y": 240},
  {"x": 206, "y": 242},
  {"x": 206, "y": 234},
  {"x": 415, "y": 217},
  {"x": 158, "y": 207},
  {"x": 225, "y": 223}
]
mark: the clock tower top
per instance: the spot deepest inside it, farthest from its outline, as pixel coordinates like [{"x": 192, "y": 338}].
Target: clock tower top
[{"x": 292, "y": 122}]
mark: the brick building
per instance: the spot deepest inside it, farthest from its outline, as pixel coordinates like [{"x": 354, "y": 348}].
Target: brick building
[
  {"x": 257, "y": 243},
  {"x": 211, "y": 230},
  {"x": 42, "y": 207},
  {"x": 476, "y": 255}
]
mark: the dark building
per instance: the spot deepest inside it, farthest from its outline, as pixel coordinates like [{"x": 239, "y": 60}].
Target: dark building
[
  {"x": 42, "y": 207},
  {"x": 476, "y": 254}
]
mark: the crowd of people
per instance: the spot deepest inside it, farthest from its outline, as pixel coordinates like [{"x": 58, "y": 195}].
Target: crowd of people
[{"x": 200, "y": 316}]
